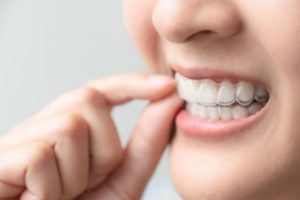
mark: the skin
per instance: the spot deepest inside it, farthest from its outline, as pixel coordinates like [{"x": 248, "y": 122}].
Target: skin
[
  {"x": 259, "y": 39},
  {"x": 256, "y": 39},
  {"x": 71, "y": 149}
]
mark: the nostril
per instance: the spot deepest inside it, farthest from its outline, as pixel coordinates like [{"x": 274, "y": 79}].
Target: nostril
[
  {"x": 203, "y": 33},
  {"x": 206, "y": 32}
]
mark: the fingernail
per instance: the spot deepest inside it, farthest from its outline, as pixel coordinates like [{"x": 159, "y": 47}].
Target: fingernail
[
  {"x": 160, "y": 79},
  {"x": 29, "y": 196}
]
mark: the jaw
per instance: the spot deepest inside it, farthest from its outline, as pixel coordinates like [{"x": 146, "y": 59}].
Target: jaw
[{"x": 263, "y": 160}]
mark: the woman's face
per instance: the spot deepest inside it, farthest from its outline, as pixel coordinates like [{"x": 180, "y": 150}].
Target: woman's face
[{"x": 217, "y": 156}]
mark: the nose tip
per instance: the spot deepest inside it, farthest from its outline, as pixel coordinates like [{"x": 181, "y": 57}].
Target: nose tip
[{"x": 180, "y": 20}]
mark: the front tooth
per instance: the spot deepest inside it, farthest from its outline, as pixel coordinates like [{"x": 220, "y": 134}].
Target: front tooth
[
  {"x": 226, "y": 94},
  {"x": 225, "y": 113},
  {"x": 207, "y": 93},
  {"x": 239, "y": 112},
  {"x": 212, "y": 112},
  {"x": 261, "y": 94},
  {"x": 187, "y": 89},
  {"x": 244, "y": 93}
]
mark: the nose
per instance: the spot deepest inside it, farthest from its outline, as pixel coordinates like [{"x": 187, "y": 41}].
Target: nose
[{"x": 180, "y": 20}]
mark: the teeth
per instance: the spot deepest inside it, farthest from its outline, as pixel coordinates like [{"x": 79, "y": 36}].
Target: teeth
[
  {"x": 239, "y": 112},
  {"x": 226, "y": 94},
  {"x": 191, "y": 108},
  {"x": 244, "y": 93},
  {"x": 207, "y": 93},
  {"x": 202, "y": 112},
  {"x": 212, "y": 113},
  {"x": 187, "y": 89},
  {"x": 254, "y": 107},
  {"x": 261, "y": 94},
  {"x": 225, "y": 113},
  {"x": 197, "y": 110},
  {"x": 221, "y": 101}
]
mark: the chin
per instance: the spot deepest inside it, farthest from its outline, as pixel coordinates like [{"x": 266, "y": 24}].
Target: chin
[{"x": 235, "y": 168}]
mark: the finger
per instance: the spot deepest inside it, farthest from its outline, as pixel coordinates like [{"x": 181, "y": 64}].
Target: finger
[
  {"x": 115, "y": 90},
  {"x": 32, "y": 165},
  {"x": 10, "y": 190},
  {"x": 87, "y": 136},
  {"x": 112, "y": 90},
  {"x": 105, "y": 151},
  {"x": 94, "y": 103},
  {"x": 123, "y": 88},
  {"x": 69, "y": 136},
  {"x": 143, "y": 151}
]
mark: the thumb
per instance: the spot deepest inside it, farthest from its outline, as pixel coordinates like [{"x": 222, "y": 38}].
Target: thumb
[{"x": 143, "y": 151}]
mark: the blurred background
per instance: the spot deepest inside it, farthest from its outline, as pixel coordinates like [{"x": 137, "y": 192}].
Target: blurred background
[{"x": 48, "y": 47}]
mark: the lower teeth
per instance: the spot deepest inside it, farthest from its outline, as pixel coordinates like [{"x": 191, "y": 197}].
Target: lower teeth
[{"x": 223, "y": 112}]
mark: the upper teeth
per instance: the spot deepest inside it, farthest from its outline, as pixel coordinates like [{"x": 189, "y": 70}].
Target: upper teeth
[{"x": 208, "y": 93}]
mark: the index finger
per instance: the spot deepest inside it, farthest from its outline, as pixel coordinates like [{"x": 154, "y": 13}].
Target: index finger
[{"x": 125, "y": 87}]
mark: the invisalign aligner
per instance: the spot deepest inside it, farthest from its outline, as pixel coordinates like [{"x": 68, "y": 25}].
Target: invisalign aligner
[{"x": 209, "y": 93}]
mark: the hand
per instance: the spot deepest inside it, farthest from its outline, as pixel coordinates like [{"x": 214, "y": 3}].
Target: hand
[{"x": 71, "y": 149}]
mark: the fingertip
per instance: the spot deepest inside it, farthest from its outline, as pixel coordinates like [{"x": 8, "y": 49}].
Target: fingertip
[
  {"x": 160, "y": 87},
  {"x": 160, "y": 80},
  {"x": 28, "y": 196}
]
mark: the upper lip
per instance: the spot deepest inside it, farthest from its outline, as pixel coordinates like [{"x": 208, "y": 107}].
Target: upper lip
[{"x": 215, "y": 73}]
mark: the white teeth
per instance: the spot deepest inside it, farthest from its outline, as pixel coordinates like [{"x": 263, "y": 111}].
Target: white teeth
[
  {"x": 239, "y": 112},
  {"x": 207, "y": 93},
  {"x": 191, "y": 108},
  {"x": 212, "y": 112},
  {"x": 187, "y": 89},
  {"x": 197, "y": 110},
  {"x": 225, "y": 113},
  {"x": 226, "y": 94},
  {"x": 244, "y": 93},
  {"x": 202, "y": 112},
  {"x": 221, "y": 101},
  {"x": 261, "y": 94}
]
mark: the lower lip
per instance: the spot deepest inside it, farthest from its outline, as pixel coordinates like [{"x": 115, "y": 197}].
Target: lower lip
[{"x": 194, "y": 126}]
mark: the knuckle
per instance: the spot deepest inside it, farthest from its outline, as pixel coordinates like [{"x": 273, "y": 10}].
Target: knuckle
[
  {"x": 91, "y": 97},
  {"x": 72, "y": 126},
  {"x": 40, "y": 153},
  {"x": 110, "y": 160}
]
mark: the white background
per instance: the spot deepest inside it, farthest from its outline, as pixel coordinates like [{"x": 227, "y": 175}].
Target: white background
[{"x": 48, "y": 47}]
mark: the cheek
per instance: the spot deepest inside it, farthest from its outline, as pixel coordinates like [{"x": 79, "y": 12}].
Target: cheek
[
  {"x": 282, "y": 41},
  {"x": 138, "y": 20},
  {"x": 276, "y": 26}
]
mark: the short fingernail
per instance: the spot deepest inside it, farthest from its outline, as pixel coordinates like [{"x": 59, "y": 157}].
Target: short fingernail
[
  {"x": 160, "y": 79},
  {"x": 29, "y": 196}
]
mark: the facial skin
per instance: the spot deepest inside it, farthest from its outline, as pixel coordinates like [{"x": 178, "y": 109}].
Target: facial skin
[{"x": 258, "y": 39}]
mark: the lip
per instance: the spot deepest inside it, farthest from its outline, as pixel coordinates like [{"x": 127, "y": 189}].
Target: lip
[{"x": 195, "y": 126}]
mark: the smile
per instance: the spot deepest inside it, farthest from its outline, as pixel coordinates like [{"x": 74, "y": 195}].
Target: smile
[{"x": 219, "y": 107}]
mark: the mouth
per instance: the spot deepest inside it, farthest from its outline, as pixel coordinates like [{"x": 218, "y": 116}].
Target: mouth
[{"x": 219, "y": 103}]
